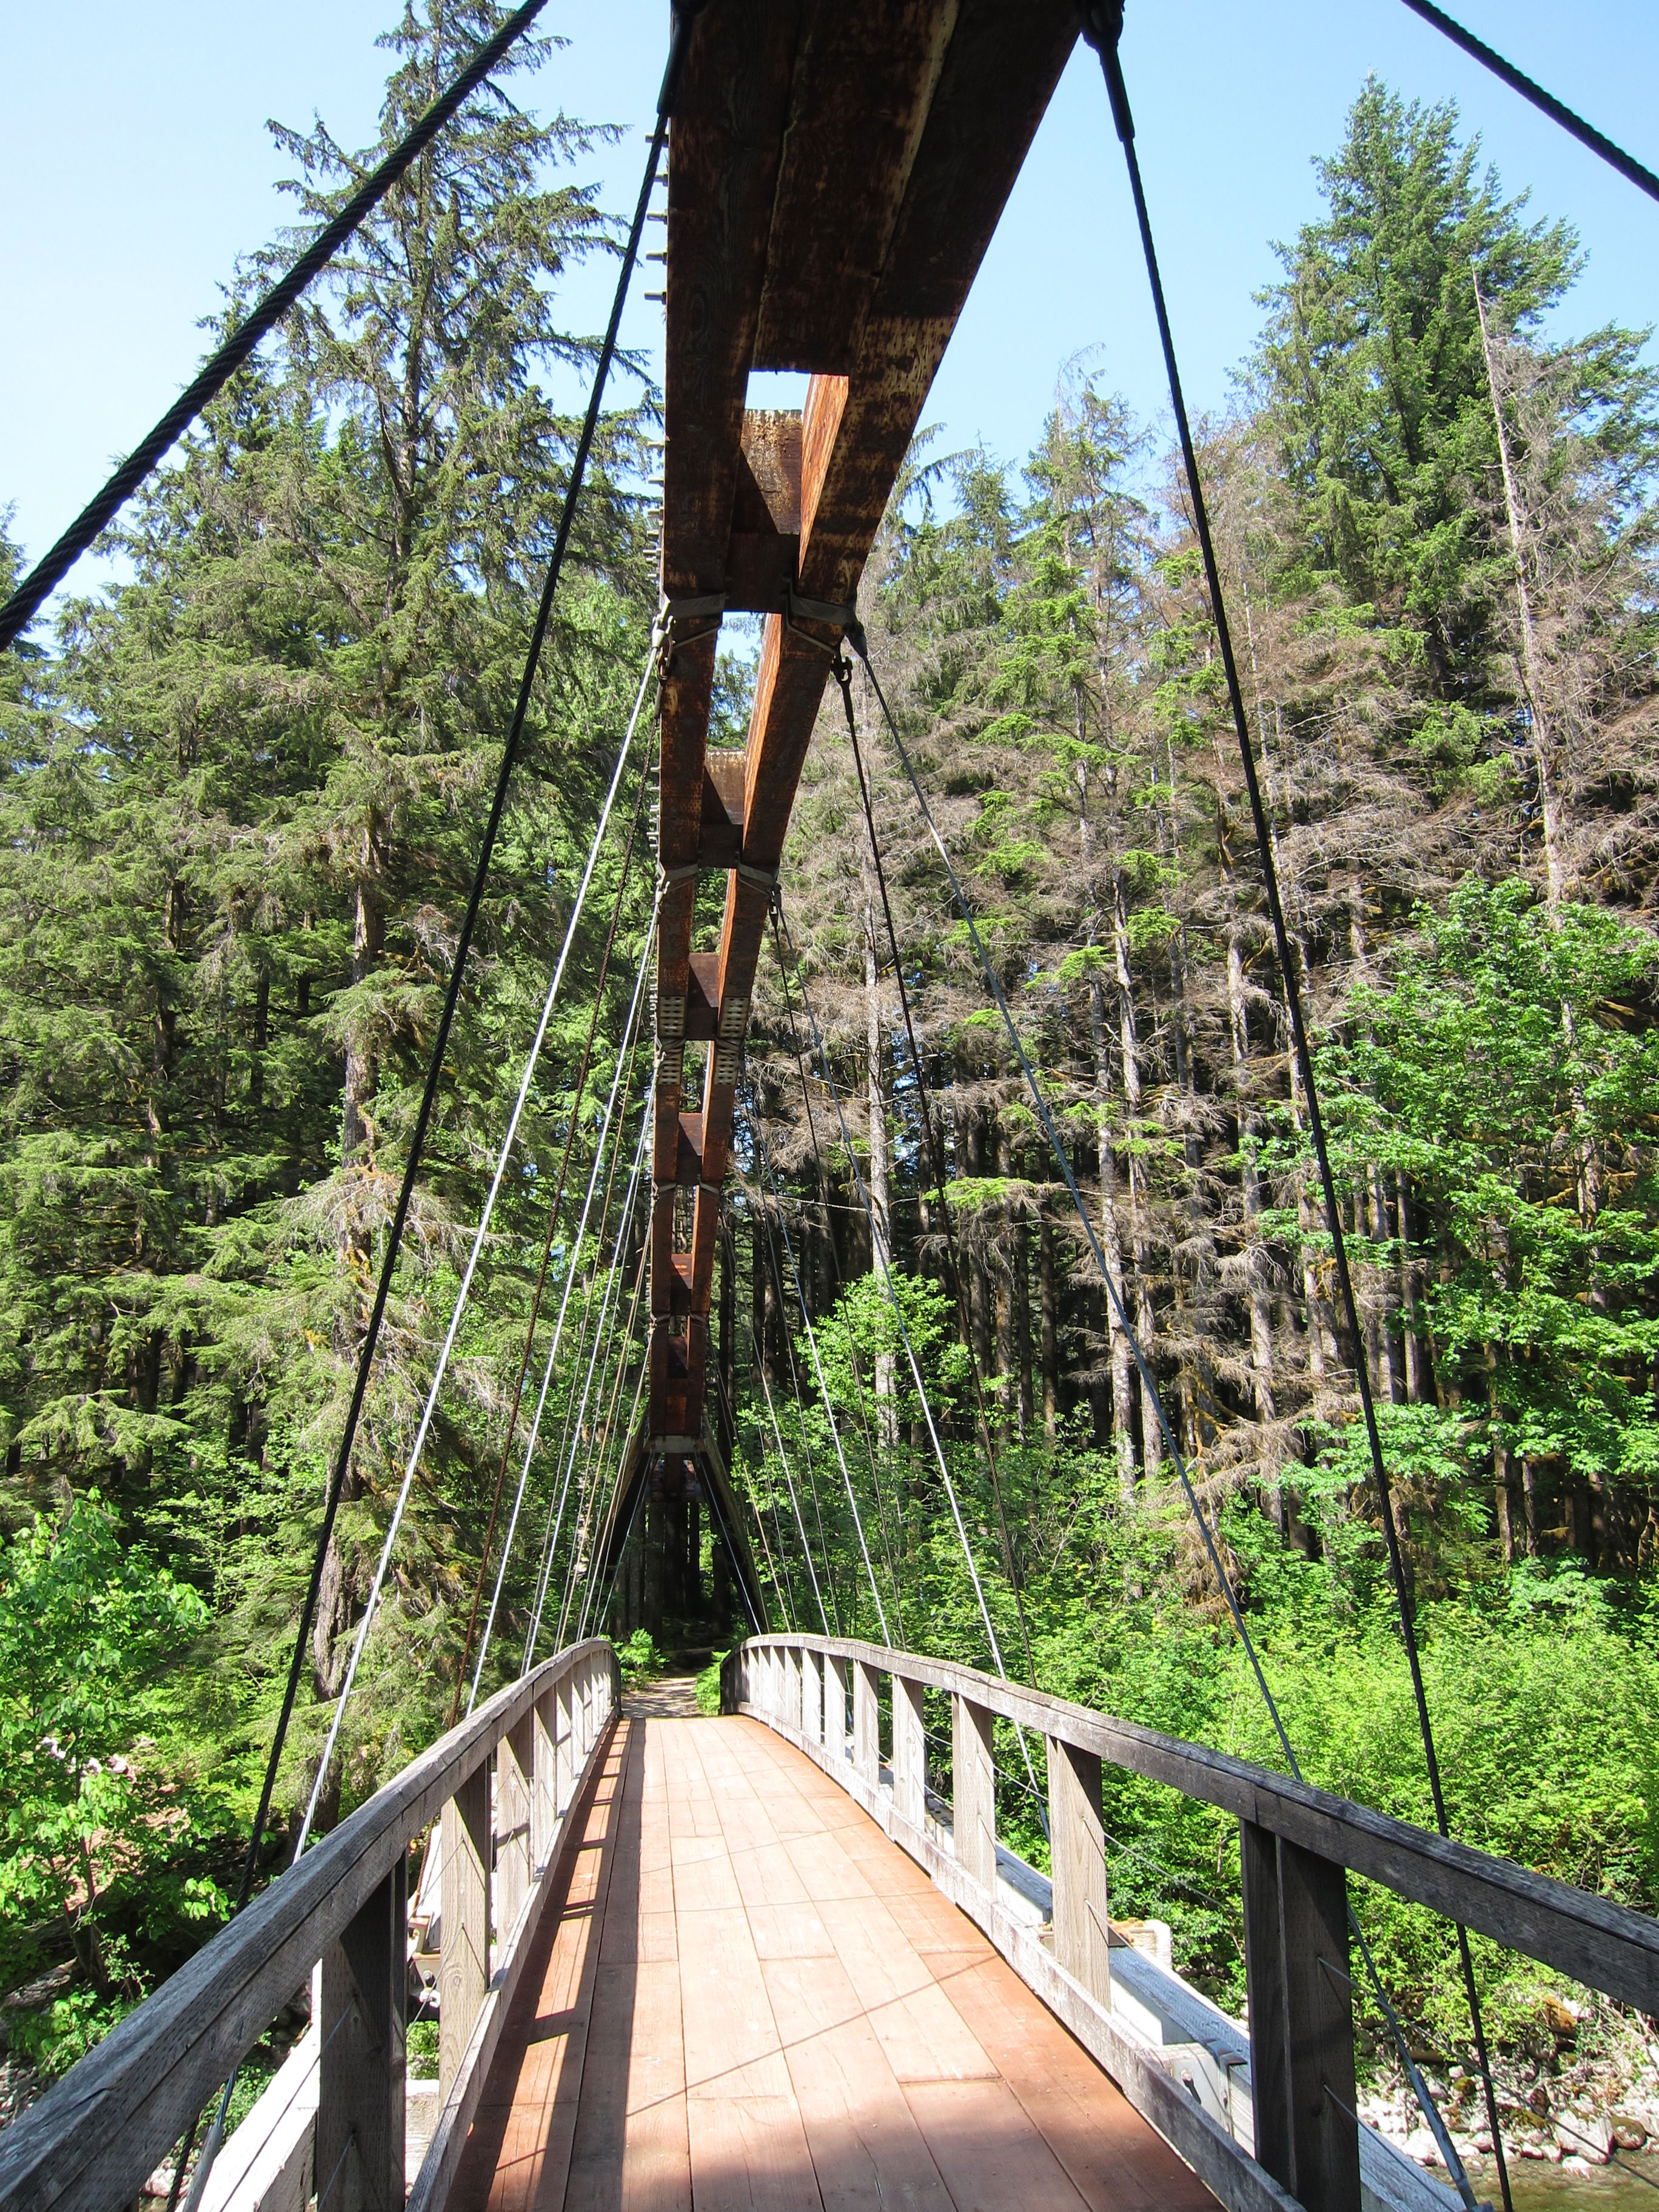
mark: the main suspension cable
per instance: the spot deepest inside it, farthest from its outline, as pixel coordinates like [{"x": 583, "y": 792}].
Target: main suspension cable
[
  {"x": 1586, "y": 133},
  {"x": 1102, "y": 26},
  {"x": 48, "y": 573}
]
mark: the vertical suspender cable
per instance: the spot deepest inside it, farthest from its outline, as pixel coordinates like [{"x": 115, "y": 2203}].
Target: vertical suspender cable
[
  {"x": 824, "y": 1388},
  {"x": 684, "y": 14},
  {"x": 783, "y": 1462},
  {"x": 1103, "y": 28},
  {"x": 564, "y": 1304}
]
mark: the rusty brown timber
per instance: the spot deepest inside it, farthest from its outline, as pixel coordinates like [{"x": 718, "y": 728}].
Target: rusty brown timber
[{"x": 835, "y": 175}]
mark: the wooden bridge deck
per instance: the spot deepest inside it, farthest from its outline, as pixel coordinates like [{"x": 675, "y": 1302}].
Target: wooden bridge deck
[{"x": 742, "y": 1994}]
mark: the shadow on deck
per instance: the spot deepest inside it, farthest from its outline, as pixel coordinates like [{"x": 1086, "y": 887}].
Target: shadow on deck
[{"x": 744, "y": 1995}]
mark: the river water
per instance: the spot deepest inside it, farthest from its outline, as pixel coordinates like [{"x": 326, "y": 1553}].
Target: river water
[{"x": 1629, "y": 2183}]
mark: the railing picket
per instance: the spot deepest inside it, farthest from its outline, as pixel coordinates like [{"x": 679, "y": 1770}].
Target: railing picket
[
  {"x": 1076, "y": 1844},
  {"x": 835, "y": 1709},
  {"x": 464, "y": 1964},
  {"x": 543, "y": 1780},
  {"x": 1301, "y": 2006},
  {"x": 564, "y": 1725},
  {"x": 811, "y": 1697},
  {"x": 974, "y": 1793},
  {"x": 514, "y": 1761},
  {"x": 909, "y": 1752},
  {"x": 866, "y": 1725},
  {"x": 360, "y": 2110}
]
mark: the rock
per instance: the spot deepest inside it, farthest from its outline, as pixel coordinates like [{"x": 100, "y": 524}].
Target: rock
[
  {"x": 1530, "y": 2146},
  {"x": 1580, "y": 2136},
  {"x": 1421, "y": 2145},
  {"x": 1560, "y": 2017},
  {"x": 1628, "y": 2134}
]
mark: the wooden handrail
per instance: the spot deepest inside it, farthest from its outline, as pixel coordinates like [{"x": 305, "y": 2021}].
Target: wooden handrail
[
  {"x": 1603, "y": 1944},
  {"x": 95, "y": 2138}
]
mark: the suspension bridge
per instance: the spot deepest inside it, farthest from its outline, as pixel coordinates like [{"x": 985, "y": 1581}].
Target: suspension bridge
[{"x": 783, "y": 1956}]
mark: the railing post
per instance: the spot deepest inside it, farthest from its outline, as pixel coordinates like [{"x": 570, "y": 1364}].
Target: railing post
[
  {"x": 564, "y": 1727},
  {"x": 795, "y": 1696},
  {"x": 866, "y": 1725},
  {"x": 811, "y": 1697},
  {"x": 464, "y": 1964},
  {"x": 909, "y": 1752},
  {"x": 543, "y": 1780},
  {"x": 1077, "y": 1851},
  {"x": 359, "y": 2109},
  {"x": 835, "y": 1709},
  {"x": 1301, "y": 2003},
  {"x": 973, "y": 1791},
  {"x": 514, "y": 1762}
]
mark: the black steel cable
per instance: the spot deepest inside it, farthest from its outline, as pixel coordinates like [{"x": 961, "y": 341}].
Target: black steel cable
[
  {"x": 48, "y": 573},
  {"x": 1586, "y": 133},
  {"x": 684, "y": 15},
  {"x": 936, "y": 1161},
  {"x": 1102, "y": 26}
]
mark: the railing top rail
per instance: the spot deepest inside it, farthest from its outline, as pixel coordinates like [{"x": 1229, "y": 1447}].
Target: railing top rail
[
  {"x": 1599, "y": 1943},
  {"x": 169, "y": 2055}
]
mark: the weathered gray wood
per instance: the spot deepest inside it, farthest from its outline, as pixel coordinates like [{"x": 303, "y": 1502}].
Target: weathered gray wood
[
  {"x": 1313, "y": 1919},
  {"x": 1596, "y": 1942},
  {"x": 464, "y": 1963},
  {"x": 1076, "y": 1850},
  {"x": 513, "y": 1758},
  {"x": 1237, "y": 2182},
  {"x": 974, "y": 1792},
  {"x": 1264, "y": 1984},
  {"x": 811, "y": 1697},
  {"x": 460, "y": 2105},
  {"x": 835, "y": 1708},
  {"x": 92, "y": 2140},
  {"x": 543, "y": 1782},
  {"x": 564, "y": 1706},
  {"x": 867, "y": 1724},
  {"x": 360, "y": 2106},
  {"x": 909, "y": 1751}
]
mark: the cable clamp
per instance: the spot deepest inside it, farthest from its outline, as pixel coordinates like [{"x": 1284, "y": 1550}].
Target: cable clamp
[
  {"x": 681, "y": 874},
  {"x": 763, "y": 879},
  {"x": 673, "y": 610},
  {"x": 797, "y": 608}
]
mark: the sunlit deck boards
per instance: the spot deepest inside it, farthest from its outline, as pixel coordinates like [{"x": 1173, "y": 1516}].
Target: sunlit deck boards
[{"x": 748, "y": 1998}]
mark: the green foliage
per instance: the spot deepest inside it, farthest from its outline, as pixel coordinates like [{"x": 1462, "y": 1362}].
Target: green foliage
[
  {"x": 639, "y": 1658},
  {"x": 709, "y": 1685}
]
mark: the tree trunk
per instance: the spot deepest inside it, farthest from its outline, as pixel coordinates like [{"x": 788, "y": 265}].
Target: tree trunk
[
  {"x": 368, "y": 945},
  {"x": 1123, "y": 1442},
  {"x": 1050, "y": 1325}
]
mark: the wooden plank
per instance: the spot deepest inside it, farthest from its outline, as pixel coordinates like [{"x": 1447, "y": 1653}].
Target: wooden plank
[
  {"x": 909, "y": 1751},
  {"x": 1077, "y": 1847},
  {"x": 728, "y": 2011},
  {"x": 867, "y": 1724},
  {"x": 973, "y": 1791},
  {"x": 132, "y": 2098},
  {"x": 359, "y": 2108},
  {"x": 1114, "y": 2161},
  {"x": 1264, "y": 1976},
  {"x": 463, "y": 1965},
  {"x": 748, "y": 2153},
  {"x": 514, "y": 1757},
  {"x": 867, "y": 2152},
  {"x": 1319, "y": 2023},
  {"x": 989, "y": 2153},
  {"x": 1596, "y": 1942}
]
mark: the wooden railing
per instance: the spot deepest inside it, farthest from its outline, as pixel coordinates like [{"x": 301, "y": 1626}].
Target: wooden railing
[
  {"x": 94, "y": 2140},
  {"x": 1297, "y": 1847}
]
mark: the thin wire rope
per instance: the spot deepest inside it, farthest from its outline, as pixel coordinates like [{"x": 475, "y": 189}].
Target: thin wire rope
[
  {"x": 605, "y": 1136},
  {"x": 1102, "y": 28},
  {"x": 829, "y": 1225},
  {"x": 1557, "y": 111},
  {"x": 50, "y": 571},
  {"x": 588, "y": 1515},
  {"x": 876, "y": 1245},
  {"x": 765, "y": 1218},
  {"x": 800, "y": 1403},
  {"x": 823, "y": 1391},
  {"x": 600, "y": 1435},
  {"x": 579, "y": 1091},
  {"x": 622, "y": 1461},
  {"x": 936, "y": 1159},
  {"x": 783, "y": 1460},
  {"x": 601, "y": 1345},
  {"x": 567, "y": 1439},
  {"x": 464, "y": 1292}
]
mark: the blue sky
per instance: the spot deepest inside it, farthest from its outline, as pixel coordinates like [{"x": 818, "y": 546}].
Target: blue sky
[{"x": 135, "y": 166}]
